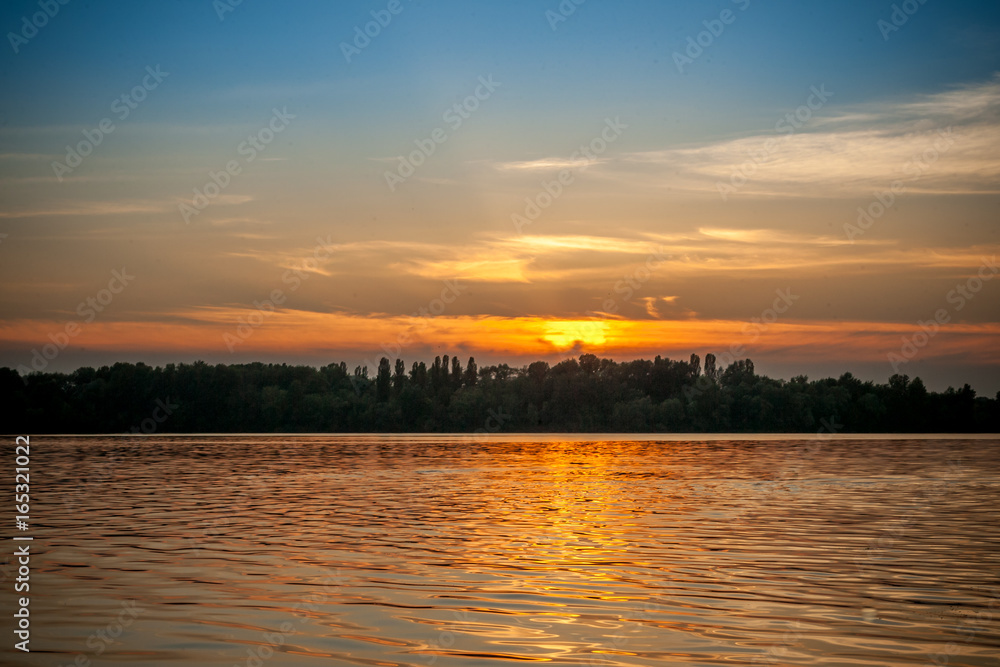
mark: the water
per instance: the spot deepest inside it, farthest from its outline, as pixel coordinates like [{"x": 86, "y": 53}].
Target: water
[{"x": 385, "y": 550}]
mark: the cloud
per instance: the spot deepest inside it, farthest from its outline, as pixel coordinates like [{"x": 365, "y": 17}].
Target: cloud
[
  {"x": 89, "y": 178},
  {"x": 237, "y": 222},
  {"x": 547, "y": 164},
  {"x": 101, "y": 208},
  {"x": 482, "y": 269},
  {"x": 17, "y": 157},
  {"x": 946, "y": 143},
  {"x": 769, "y": 237},
  {"x": 543, "y": 244},
  {"x": 591, "y": 261},
  {"x": 91, "y": 209},
  {"x": 654, "y": 308},
  {"x": 964, "y": 104},
  {"x": 201, "y": 331}
]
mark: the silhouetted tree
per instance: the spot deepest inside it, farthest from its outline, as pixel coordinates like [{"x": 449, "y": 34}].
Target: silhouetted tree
[
  {"x": 585, "y": 394},
  {"x": 418, "y": 374},
  {"x": 435, "y": 374},
  {"x": 589, "y": 363},
  {"x": 399, "y": 377},
  {"x": 471, "y": 373},
  {"x": 710, "y": 371},
  {"x": 740, "y": 371},
  {"x": 383, "y": 380},
  {"x": 695, "y": 364},
  {"x": 538, "y": 371}
]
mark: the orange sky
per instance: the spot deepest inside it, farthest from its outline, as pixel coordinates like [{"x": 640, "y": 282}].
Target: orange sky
[{"x": 581, "y": 198}]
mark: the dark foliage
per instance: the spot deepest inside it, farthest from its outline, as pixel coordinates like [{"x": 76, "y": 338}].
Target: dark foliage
[{"x": 577, "y": 395}]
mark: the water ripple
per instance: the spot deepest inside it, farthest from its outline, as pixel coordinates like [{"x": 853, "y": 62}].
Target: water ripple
[{"x": 423, "y": 551}]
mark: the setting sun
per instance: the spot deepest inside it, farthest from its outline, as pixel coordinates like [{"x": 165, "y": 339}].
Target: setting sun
[
  {"x": 569, "y": 333},
  {"x": 444, "y": 333}
]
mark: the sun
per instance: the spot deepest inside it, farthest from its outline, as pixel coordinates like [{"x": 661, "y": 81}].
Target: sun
[{"x": 567, "y": 333}]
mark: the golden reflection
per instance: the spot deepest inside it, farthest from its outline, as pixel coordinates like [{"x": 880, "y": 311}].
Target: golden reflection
[{"x": 613, "y": 552}]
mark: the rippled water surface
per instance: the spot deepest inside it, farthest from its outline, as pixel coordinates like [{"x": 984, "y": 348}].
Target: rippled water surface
[{"x": 375, "y": 550}]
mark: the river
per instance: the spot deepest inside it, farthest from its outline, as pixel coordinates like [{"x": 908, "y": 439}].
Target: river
[{"x": 452, "y": 550}]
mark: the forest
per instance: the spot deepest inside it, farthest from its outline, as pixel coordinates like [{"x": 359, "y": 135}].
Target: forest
[{"x": 581, "y": 395}]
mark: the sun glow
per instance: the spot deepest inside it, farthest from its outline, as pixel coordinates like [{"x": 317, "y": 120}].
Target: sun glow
[{"x": 567, "y": 333}]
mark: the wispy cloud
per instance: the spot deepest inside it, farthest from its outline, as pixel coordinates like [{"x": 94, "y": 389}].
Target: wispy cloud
[
  {"x": 505, "y": 270},
  {"x": 90, "y": 209},
  {"x": 100, "y": 208},
  {"x": 237, "y": 222},
  {"x": 28, "y": 156},
  {"x": 548, "y": 244},
  {"x": 946, "y": 143},
  {"x": 767, "y": 237},
  {"x": 592, "y": 260},
  {"x": 548, "y": 164}
]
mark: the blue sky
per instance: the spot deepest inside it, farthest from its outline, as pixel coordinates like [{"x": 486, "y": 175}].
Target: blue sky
[
  {"x": 655, "y": 185},
  {"x": 604, "y": 56}
]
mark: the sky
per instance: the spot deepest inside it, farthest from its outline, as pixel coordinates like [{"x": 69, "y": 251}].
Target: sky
[{"x": 810, "y": 185}]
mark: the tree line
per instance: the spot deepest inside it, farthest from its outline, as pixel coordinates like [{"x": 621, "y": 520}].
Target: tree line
[{"x": 587, "y": 394}]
